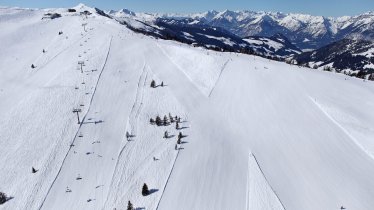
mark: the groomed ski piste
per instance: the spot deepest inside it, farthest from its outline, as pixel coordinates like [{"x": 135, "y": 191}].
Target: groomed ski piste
[{"x": 258, "y": 134}]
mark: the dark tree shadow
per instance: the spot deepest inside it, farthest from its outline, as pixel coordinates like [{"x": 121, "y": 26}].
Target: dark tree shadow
[
  {"x": 182, "y": 128},
  {"x": 140, "y": 208},
  {"x": 169, "y": 137},
  {"x": 184, "y": 142},
  {"x": 151, "y": 191},
  {"x": 7, "y": 199},
  {"x": 94, "y": 122}
]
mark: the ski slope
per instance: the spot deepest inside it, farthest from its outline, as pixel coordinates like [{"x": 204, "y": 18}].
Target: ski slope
[{"x": 259, "y": 134}]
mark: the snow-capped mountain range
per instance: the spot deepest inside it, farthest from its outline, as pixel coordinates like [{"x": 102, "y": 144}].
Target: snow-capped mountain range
[
  {"x": 271, "y": 34},
  {"x": 343, "y": 56},
  {"x": 305, "y": 31}
]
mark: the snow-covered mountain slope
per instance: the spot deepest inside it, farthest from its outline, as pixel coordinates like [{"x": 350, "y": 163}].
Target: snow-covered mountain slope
[
  {"x": 277, "y": 45},
  {"x": 353, "y": 57},
  {"x": 258, "y": 134},
  {"x": 197, "y": 33},
  {"x": 305, "y": 31}
]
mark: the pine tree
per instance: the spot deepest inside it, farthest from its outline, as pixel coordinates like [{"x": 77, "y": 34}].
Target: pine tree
[
  {"x": 152, "y": 121},
  {"x": 180, "y": 135},
  {"x": 33, "y": 170},
  {"x": 3, "y": 198},
  {"x": 162, "y": 84},
  {"x": 179, "y": 141},
  {"x": 130, "y": 206},
  {"x": 165, "y": 120},
  {"x": 32, "y": 66},
  {"x": 145, "y": 190},
  {"x": 153, "y": 84},
  {"x": 176, "y": 147},
  {"x": 171, "y": 118},
  {"x": 177, "y": 125},
  {"x": 158, "y": 121}
]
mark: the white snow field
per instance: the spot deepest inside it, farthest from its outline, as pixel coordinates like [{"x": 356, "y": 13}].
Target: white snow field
[{"x": 259, "y": 134}]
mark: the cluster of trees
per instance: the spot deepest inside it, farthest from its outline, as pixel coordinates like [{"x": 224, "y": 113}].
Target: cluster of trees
[{"x": 165, "y": 121}]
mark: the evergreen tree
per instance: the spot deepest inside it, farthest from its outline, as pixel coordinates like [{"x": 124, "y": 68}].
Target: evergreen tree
[
  {"x": 165, "y": 120},
  {"x": 130, "y": 206},
  {"x": 153, "y": 84},
  {"x": 32, "y": 66},
  {"x": 180, "y": 135},
  {"x": 145, "y": 190},
  {"x": 171, "y": 118},
  {"x": 176, "y": 147},
  {"x": 179, "y": 141},
  {"x": 152, "y": 121},
  {"x": 177, "y": 125},
  {"x": 3, "y": 198},
  {"x": 158, "y": 121},
  {"x": 33, "y": 170},
  {"x": 162, "y": 84}
]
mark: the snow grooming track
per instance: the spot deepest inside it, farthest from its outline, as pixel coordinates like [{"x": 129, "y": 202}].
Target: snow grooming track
[
  {"x": 341, "y": 127},
  {"x": 167, "y": 181},
  {"x": 266, "y": 197},
  {"x": 80, "y": 125},
  {"x": 131, "y": 121},
  {"x": 219, "y": 76}
]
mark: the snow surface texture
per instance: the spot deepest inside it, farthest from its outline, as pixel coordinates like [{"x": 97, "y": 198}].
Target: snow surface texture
[{"x": 259, "y": 134}]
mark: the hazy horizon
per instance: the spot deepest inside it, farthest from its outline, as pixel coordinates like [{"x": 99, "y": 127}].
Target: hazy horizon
[{"x": 334, "y": 8}]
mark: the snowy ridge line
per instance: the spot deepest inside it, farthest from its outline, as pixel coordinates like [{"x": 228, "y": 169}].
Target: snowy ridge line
[
  {"x": 219, "y": 76},
  {"x": 263, "y": 174},
  {"x": 76, "y": 134},
  {"x": 167, "y": 181},
  {"x": 179, "y": 68},
  {"x": 342, "y": 128},
  {"x": 59, "y": 53},
  {"x": 129, "y": 124}
]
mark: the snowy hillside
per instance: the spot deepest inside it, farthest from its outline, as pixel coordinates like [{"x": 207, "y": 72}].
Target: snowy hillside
[
  {"x": 252, "y": 133},
  {"x": 352, "y": 57}
]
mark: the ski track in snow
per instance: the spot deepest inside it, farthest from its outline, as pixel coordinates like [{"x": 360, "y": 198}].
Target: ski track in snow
[
  {"x": 56, "y": 55},
  {"x": 357, "y": 143},
  {"x": 252, "y": 156},
  {"x": 132, "y": 120},
  {"x": 167, "y": 180},
  {"x": 219, "y": 76},
  {"x": 76, "y": 134}
]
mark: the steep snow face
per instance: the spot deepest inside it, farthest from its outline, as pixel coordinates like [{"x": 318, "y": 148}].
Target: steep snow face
[{"x": 254, "y": 133}]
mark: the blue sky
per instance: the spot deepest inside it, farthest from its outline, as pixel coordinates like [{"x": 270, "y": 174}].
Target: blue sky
[{"x": 314, "y": 7}]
